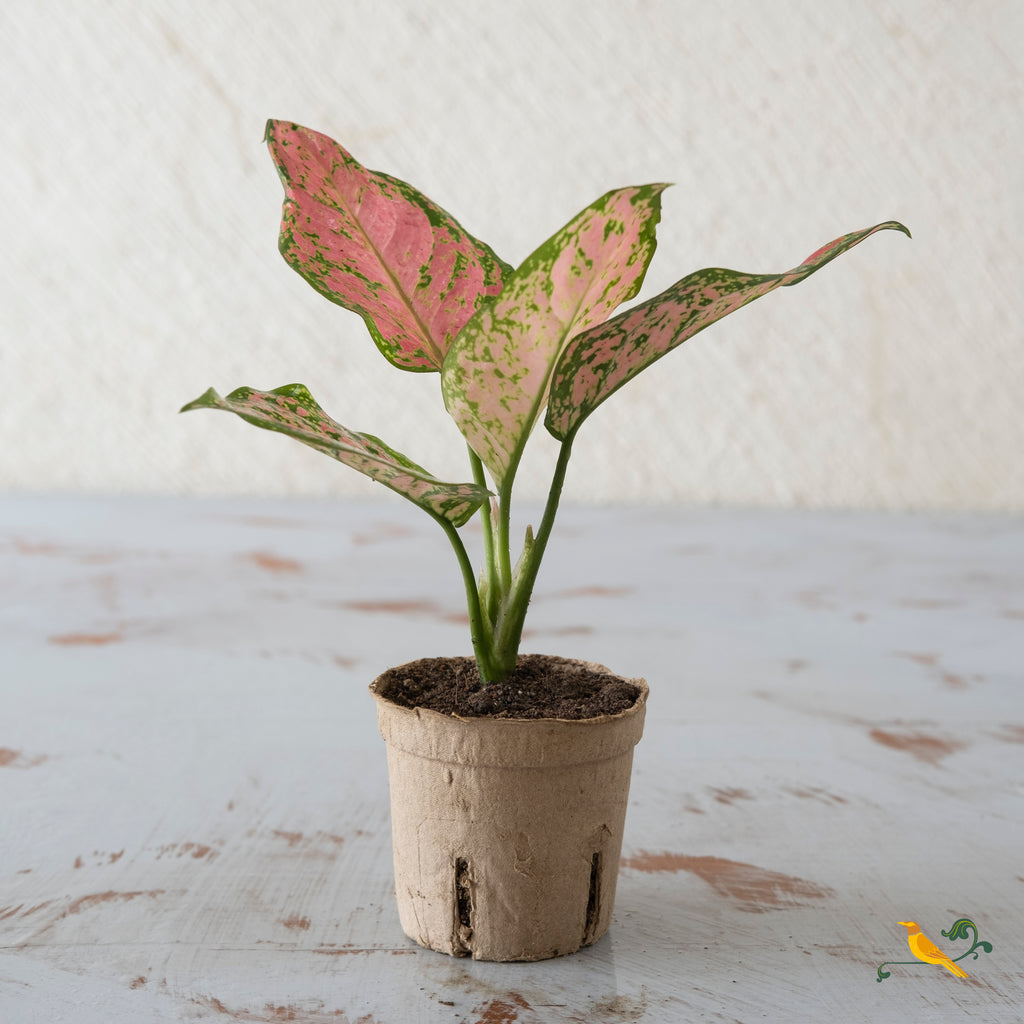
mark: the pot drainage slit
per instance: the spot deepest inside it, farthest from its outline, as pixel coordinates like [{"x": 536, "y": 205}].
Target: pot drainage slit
[
  {"x": 593, "y": 900},
  {"x": 463, "y": 923}
]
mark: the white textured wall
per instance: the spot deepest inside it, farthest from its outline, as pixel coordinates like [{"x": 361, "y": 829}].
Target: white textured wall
[{"x": 139, "y": 261}]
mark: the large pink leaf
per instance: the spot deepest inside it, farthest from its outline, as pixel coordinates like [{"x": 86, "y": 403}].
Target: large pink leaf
[
  {"x": 597, "y": 362},
  {"x": 292, "y": 410},
  {"x": 496, "y": 375},
  {"x": 377, "y": 246}
]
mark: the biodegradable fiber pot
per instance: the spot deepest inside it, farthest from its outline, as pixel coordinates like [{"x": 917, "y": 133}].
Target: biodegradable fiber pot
[{"x": 507, "y": 832}]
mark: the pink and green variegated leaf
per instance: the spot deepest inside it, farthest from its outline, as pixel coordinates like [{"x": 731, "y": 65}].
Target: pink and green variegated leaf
[
  {"x": 597, "y": 362},
  {"x": 377, "y": 246},
  {"x": 496, "y": 375},
  {"x": 292, "y": 410}
]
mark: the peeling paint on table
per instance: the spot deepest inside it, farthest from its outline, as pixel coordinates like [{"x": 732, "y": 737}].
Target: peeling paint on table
[{"x": 193, "y": 794}]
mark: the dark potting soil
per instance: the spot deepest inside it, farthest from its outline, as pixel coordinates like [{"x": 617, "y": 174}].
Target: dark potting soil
[{"x": 542, "y": 686}]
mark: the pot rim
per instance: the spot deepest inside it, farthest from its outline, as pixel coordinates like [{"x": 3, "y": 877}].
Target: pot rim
[{"x": 508, "y": 742}]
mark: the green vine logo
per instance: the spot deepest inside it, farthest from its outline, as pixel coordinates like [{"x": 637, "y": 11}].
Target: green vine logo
[{"x": 927, "y": 952}]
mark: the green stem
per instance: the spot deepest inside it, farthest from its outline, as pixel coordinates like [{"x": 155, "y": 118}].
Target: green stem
[
  {"x": 510, "y": 631},
  {"x": 487, "y": 522},
  {"x": 504, "y": 542},
  {"x": 483, "y": 649}
]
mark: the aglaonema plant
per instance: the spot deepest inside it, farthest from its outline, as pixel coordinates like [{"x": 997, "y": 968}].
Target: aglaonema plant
[{"x": 510, "y": 345}]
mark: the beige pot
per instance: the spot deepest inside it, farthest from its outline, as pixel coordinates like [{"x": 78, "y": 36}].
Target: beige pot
[{"x": 507, "y": 832}]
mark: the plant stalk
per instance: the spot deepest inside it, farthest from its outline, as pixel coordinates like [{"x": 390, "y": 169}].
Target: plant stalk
[
  {"x": 497, "y": 628},
  {"x": 504, "y": 543},
  {"x": 509, "y": 631},
  {"x": 490, "y": 611},
  {"x": 483, "y": 643}
]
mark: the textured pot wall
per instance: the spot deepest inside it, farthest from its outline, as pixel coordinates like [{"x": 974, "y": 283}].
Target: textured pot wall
[
  {"x": 507, "y": 834},
  {"x": 139, "y": 263}
]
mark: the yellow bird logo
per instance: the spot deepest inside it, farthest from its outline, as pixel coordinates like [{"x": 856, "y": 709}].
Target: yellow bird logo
[
  {"x": 924, "y": 949},
  {"x": 928, "y": 953}
]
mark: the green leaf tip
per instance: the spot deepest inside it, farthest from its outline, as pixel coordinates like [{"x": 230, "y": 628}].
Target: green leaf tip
[{"x": 209, "y": 399}]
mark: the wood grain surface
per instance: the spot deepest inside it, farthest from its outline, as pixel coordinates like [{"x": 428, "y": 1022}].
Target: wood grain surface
[{"x": 193, "y": 794}]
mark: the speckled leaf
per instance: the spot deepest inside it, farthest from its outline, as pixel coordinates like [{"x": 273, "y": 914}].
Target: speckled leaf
[
  {"x": 597, "y": 362},
  {"x": 292, "y": 410},
  {"x": 495, "y": 377},
  {"x": 377, "y": 246}
]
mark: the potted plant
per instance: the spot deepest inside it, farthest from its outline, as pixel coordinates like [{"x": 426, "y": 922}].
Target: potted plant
[{"x": 509, "y": 773}]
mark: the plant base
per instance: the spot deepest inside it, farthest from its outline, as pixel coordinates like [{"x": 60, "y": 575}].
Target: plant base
[{"x": 507, "y": 832}]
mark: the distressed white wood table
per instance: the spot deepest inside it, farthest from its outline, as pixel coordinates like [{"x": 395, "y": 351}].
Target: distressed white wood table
[{"x": 193, "y": 793}]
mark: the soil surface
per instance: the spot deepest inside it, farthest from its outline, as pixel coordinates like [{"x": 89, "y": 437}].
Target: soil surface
[{"x": 542, "y": 686}]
